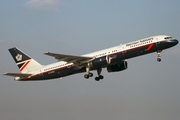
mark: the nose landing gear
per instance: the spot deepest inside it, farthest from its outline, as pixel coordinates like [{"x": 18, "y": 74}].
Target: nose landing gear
[{"x": 159, "y": 55}]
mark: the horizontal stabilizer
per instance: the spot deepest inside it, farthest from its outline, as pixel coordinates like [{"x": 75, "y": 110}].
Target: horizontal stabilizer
[{"x": 17, "y": 74}]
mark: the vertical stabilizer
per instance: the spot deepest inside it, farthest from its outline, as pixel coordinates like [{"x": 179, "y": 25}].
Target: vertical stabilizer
[{"x": 23, "y": 61}]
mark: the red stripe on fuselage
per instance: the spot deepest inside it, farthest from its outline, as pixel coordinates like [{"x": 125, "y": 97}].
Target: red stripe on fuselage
[
  {"x": 149, "y": 47},
  {"x": 21, "y": 69}
]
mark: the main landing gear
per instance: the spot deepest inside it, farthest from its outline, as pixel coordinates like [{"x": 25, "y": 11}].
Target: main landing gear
[
  {"x": 99, "y": 76},
  {"x": 89, "y": 74},
  {"x": 159, "y": 55}
]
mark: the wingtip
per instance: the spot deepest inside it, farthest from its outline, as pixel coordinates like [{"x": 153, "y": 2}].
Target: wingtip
[
  {"x": 46, "y": 53},
  {"x": 4, "y": 73}
]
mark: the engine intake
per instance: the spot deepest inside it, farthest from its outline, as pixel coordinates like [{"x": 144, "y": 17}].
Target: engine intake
[{"x": 119, "y": 66}]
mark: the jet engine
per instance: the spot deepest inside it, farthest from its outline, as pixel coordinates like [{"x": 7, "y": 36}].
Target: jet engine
[
  {"x": 100, "y": 62},
  {"x": 119, "y": 66}
]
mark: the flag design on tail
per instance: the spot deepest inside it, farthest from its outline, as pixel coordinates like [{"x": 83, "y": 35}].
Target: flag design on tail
[{"x": 23, "y": 61}]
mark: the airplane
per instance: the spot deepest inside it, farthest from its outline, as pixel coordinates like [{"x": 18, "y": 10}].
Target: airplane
[{"x": 114, "y": 59}]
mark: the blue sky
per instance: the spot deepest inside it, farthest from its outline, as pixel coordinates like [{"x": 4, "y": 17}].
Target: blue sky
[{"x": 146, "y": 90}]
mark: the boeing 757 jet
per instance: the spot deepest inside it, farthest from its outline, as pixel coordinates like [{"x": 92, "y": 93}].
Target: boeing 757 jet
[{"x": 114, "y": 59}]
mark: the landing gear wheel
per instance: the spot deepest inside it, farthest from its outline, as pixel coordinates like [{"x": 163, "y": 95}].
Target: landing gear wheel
[
  {"x": 159, "y": 59},
  {"x": 90, "y": 74},
  {"x": 99, "y": 77},
  {"x": 86, "y": 76}
]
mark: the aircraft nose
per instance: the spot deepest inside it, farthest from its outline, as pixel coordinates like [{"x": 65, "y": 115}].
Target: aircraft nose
[{"x": 175, "y": 41}]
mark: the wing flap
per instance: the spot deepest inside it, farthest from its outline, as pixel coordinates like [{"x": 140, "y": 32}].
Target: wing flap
[{"x": 17, "y": 74}]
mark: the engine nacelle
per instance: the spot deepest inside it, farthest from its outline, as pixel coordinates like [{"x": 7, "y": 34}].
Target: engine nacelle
[
  {"x": 100, "y": 62},
  {"x": 119, "y": 66}
]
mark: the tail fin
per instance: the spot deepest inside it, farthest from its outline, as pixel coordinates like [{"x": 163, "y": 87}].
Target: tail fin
[{"x": 23, "y": 61}]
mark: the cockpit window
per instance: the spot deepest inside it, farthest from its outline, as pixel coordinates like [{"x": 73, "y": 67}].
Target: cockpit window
[{"x": 167, "y": 38}]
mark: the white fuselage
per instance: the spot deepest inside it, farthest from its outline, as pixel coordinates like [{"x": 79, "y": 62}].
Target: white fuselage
[{"x": 109, "y": 58}]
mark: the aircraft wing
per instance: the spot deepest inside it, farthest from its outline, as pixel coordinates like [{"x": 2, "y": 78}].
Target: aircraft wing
[
  {"x": 77, "y": 60},
  {"x": 17, "y": 74}
]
